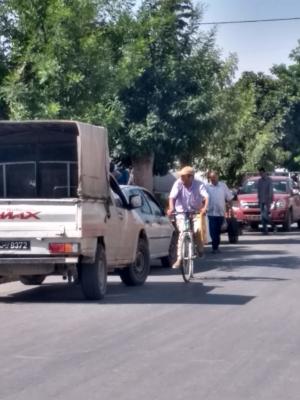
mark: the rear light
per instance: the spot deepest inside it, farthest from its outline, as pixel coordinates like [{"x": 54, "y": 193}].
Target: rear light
[{"x": 55, "y": 248}]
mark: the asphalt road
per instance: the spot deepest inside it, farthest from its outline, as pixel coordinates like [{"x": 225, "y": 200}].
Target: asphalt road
[{"x": 232, "y": 333}]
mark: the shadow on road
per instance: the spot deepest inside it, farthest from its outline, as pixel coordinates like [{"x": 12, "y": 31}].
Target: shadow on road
[
  {"x": 151, "y": 293},
  {"x": 242, "y": 278},
  {"x": 284, "y": 262}
]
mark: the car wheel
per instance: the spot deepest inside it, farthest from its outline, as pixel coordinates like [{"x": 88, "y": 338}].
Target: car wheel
[
  {"x": 32, "y": 279},
  {"x": 135, "y": 274},
  {"x": 254, "y": 226},
  {"x": 286, "y": 226},
  {"x": 169, "y": 260},
  {"x": 233, "y": 239},
  {"x": 93, "y": 277},
  {"x": 298, "y": 223}
]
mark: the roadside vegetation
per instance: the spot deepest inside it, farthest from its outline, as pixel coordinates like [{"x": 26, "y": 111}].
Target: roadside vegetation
[{"x": 154, "y": 78}]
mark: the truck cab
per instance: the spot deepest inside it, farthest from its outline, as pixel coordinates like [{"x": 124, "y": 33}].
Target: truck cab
[{"x": 61, "y": 213}]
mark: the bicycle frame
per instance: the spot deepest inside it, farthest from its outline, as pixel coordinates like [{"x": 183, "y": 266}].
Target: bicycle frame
[{"x": 188, "y": 246}]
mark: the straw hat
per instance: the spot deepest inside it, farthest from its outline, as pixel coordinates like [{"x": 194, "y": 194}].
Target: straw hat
[{"x": 187, "y": 171}]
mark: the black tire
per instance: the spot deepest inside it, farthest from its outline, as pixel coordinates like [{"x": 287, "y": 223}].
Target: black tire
[
  {"x": 32, "y": 279},
  {"x": 233, "y": 239},
  {"x": 93, "y": 277},
  {"x": 286, "y": 226},
  {"x": 135, "y": 274},
  {"x": 254, "y": 226},
  {"x": 169, "y": 260},
  {"x": 298, "y": 223},
  {"x": 187, "y": 264}
]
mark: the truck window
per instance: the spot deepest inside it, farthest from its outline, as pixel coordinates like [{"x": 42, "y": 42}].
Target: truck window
[{"x": 38, "y": 165}]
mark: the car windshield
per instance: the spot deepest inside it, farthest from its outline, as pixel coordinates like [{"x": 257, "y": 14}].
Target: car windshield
[
  {"x": 280, "y": 186},
  {"x": 250, "y": 186}
]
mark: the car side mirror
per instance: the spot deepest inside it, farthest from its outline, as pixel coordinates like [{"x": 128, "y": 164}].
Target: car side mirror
[
  {"x": 135, "y": 201},
  {"x": 295, "y": 191}
]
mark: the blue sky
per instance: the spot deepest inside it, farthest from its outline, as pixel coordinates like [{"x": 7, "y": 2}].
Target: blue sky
[{"x": 258, "y": 46}]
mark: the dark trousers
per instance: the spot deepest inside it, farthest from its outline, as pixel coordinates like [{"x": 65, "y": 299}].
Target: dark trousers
[
  {"x": 215, "y": 224},
  {"x": 264, "y": 215}
]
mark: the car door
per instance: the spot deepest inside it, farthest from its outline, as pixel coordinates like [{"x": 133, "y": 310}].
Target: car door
[
  {"x": 151, "y": 225},
  {"x": 164, "y": 229}
]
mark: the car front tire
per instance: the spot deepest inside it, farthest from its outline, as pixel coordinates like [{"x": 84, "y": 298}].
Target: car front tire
[{"x": 135, "y": 274}]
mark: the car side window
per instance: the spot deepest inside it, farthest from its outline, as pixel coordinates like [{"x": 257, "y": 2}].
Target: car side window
[{"x": 157, "y": 211}]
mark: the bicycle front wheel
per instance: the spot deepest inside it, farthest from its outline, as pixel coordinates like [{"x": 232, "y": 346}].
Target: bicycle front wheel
[{"x": 187, "y": 258}]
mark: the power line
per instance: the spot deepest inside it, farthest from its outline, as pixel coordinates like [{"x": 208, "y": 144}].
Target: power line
[{"x": 248, "y": 21}]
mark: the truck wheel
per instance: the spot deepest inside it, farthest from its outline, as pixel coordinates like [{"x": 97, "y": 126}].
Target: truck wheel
[
  {"x": 32, "y": 279},
  {"x": 286, "y": 226},
  {"x": 93, "y": 277},
  {"x": 298, "y": 223},
  {"x": 169, "y": 260},
  {"x": 136, "y": 273}
]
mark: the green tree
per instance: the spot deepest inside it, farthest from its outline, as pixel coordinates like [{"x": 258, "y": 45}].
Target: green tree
[
  {"x": 63, "y": 59},
  {"x": 169, "y": 107},
  {"x": 248, "y": 134},
  {"x": 289, "y": 100}
]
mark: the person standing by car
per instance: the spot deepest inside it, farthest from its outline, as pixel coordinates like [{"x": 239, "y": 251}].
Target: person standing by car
[
  {"x": 219, "y": 195},
  {"x": 265, "y": 198},
  {"x": 188, "y": 194}
]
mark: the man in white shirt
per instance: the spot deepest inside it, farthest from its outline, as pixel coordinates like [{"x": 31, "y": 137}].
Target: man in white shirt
[
  {"x": 187, "y": 194},
  {"x": 219, "y": 195}
]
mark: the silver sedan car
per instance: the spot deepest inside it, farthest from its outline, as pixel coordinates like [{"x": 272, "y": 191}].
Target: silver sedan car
[{"x": 159, "y": 229}]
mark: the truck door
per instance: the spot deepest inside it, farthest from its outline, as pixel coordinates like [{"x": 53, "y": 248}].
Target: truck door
[{"x": 119, "y": 244}]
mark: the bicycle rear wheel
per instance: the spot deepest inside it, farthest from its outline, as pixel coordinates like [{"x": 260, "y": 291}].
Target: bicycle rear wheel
[{"x": 187, "y": 259}]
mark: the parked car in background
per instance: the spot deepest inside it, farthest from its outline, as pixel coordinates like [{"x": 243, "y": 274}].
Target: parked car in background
[
  {"x": 159, "y": 229},
  {"x": 285, "y": 208}
]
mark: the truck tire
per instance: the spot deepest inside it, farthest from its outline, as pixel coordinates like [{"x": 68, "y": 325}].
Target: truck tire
[
  {"x": 298, "y": 223},
  {"x": 136, "y": 273},
  {"x": 93, "y": 277},
  {"x": 32, "y": 279},
  {"x": 286, "y": 226},
  {"x": 169, "y": 260}
]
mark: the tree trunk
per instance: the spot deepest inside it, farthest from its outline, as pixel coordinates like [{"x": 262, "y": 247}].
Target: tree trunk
[{"x": 142, "y": 170}]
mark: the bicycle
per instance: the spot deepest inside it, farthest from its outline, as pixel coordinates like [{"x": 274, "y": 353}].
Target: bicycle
[{"x": 188, "y": 253}]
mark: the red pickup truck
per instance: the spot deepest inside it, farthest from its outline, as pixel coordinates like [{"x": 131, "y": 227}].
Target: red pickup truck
[{"x": 285, "y": 208}]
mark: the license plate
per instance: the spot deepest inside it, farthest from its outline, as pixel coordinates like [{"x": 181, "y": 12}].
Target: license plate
[
  {"x": 253, "y": 217},
  {"x": 14, "y": 245}
]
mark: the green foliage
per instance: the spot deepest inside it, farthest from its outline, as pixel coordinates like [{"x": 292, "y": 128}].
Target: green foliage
[
  {"x": 153, "y": 78},
  {"x": 168, "y": 107}
]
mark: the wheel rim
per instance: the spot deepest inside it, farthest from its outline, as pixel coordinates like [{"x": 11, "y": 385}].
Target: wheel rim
[
  {"x": 187, "y": 262},
  {"x": 139, "y": 265}
]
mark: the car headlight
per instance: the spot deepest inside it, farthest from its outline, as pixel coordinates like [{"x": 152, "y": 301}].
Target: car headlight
[
  {"x": 243, "y": 204},
  {"x": 278, "y": 204}
]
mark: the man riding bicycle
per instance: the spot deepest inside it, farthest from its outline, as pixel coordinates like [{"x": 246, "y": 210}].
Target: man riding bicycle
[{"x": 188, "y": 195}]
